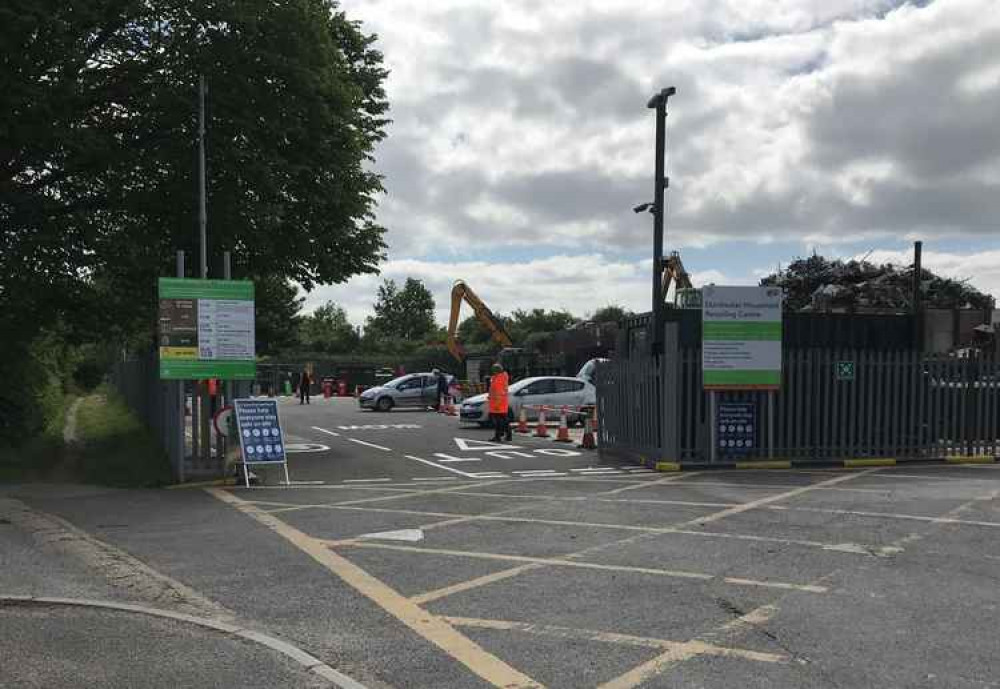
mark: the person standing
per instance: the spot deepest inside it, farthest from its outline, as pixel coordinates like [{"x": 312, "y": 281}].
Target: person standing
[
  {"x": 305, "y": 380},
  {"x": 442, "y": 386},
  {"x": 499, "y": 404}
]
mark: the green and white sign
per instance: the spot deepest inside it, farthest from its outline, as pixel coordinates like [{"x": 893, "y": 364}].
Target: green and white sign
[
  {"x": 741, "y": 338},
  {"x": 206, "y": 329}
]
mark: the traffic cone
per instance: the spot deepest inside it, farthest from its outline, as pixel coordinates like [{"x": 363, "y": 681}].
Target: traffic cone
[
  {"x": 522, "y": 422},
  {"x": 562, "y": 435},
  {"x": 541, "y": 430},
  {"x": 588, "y": 443}
]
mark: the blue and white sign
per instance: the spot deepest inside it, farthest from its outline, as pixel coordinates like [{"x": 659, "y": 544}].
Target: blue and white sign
[
  {"x": 261, "y": 439},
  {"x": 737, "y": 428}
]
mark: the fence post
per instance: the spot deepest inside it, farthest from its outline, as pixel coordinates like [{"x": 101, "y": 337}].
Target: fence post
[{"x": 669, "y": 422}]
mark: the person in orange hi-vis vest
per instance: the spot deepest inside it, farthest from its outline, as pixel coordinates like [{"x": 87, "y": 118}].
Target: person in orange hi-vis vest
[{"x": 499, "y": 404}]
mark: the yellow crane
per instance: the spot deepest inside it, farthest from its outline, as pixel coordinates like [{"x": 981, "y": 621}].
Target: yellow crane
[
  {"x": 674, "y": 272},
  {"x": 461, "y": 291}
]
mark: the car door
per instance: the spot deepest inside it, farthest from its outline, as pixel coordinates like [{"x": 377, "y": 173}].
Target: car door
[
  {"x": 409, "y": 392},
  {"x": 535, "y": 395},
  {"x": 429, "y": 397},
  {"x": 568, "y": 393}
]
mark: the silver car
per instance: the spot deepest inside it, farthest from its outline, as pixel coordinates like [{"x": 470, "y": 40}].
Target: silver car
[
  {"x": 415, "y": 390},
  {"x": 532, "y": 393}
]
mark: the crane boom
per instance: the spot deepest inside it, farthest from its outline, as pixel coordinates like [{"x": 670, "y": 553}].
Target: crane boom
[
  {"x": 461, "y": 291},
  {"x": 673, "y": 271}
]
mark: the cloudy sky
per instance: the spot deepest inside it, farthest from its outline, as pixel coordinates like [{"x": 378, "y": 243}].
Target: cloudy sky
[{"x": 521, "y": 141}]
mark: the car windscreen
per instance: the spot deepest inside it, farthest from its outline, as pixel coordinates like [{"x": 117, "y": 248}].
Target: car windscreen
[{"x": 394, "y": 383}]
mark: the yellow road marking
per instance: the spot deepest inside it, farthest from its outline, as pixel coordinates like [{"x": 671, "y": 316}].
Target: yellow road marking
[
  {"x": 612, "y": 637},
  {"x": 429, "y": 626},
  {"x": 970, "y": 459},
  {"x": 870, "y": 462},
  {"x": 650, "y": 484},
  {"x": 691, "y": 522},
  {"x": 556, "y": 562},
  {"x": 485, "y": 580},
  {"x": 771, "y": 464},
  {"x": 884, "y": 515}
]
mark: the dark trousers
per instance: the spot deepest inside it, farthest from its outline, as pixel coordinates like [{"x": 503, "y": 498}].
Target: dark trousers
[
  {"x": 501, "y": 426},
  {"x": 304, "y": 394}
]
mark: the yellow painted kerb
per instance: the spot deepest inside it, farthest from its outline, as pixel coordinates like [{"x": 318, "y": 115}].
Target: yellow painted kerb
[
  {"x": 970, "y": 459},
  {"x": 668, "y": 466},
  {"x": 771, "y": 464},
  {"x": 203, "y": 484},
  {"x": 870, "y": 462}
]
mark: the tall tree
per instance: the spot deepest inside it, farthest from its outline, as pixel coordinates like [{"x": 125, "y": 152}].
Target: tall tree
[
  {"x": 328, "y": 329},
  {"x": 277, "y": 316},
  {"x": 97, "y": 146},
  {"x": 525, "y": 323},
  {"x": 403, "y": 317},
  {"x": 610, "y": 314}
]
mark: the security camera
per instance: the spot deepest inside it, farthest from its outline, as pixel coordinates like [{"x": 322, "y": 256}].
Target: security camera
[{"x": 644, "y": 207}]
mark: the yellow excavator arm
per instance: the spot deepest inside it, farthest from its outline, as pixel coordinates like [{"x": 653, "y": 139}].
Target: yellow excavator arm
[
  {"x": 462, "y": 291},
  {"x": 673, "y": 271}
]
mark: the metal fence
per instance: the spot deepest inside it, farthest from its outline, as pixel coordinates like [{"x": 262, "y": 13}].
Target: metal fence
[
  {"x": 175, "y": 413},
  {"x": 833, "y": 403}
]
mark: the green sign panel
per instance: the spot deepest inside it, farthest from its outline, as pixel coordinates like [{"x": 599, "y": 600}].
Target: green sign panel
[
  {"x": 741, "y": 338},
  {"x": 845, "y": 370},
  {"x": 206, "y": 329}
]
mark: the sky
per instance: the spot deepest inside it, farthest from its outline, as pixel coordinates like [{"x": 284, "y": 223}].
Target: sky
[{"x": 521, "y": 142}]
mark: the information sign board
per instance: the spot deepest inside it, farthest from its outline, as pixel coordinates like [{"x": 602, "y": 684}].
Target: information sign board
[
  {"x": 741, "y": 338},
  {"x": 737, "y": 434},
  {"x": 206, "y": 329},
  {"x": 261, "y": 439}
]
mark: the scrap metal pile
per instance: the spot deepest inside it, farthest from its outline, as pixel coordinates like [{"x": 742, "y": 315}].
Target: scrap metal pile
[{"x": 818, "y": 284}]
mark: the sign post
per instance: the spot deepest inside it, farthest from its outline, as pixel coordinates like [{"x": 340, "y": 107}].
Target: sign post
[
  {"x": 206, "y": 329},
  {"x": 262, "y": 440},
  {"x": 741, "y": 346}
]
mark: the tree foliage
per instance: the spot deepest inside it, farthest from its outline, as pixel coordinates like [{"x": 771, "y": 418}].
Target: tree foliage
[
  {"x": 99, "y": 138},
  {"x": 818, "y": 283},
  {"x": 610, "y": 314},
  {"x": 328, "y": 329},
  {"x": 404, "y": 317},
  {"x": 525, "y": 323},
  {"x": 277, "y": 319}
]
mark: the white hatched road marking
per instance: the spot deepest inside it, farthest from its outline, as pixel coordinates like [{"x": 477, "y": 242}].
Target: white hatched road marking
[{"x": 367, "y": 444}]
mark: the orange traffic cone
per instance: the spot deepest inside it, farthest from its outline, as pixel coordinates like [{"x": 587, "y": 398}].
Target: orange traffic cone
[
  {"x": 522, "y": 422},
  {"x": 588, "y": 443},
  {"x": 562, "y": 435},
  {"x": 541, "y": 430}
]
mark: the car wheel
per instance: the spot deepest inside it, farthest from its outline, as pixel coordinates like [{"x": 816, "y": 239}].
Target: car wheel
[{"x": 384, "y": 404}]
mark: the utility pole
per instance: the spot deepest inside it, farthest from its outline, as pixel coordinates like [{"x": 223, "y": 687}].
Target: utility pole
[
  {"x": 659, "y": 103},
  {"x": 202, "y": 213}
]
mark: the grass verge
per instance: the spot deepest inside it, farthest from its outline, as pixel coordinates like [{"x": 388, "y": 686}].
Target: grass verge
[
  {"x": 37, "y": 458},
  {"x": 114, "y": 448}
]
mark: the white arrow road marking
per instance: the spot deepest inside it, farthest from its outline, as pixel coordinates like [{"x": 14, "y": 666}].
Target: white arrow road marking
[
  {"x": 440, "y": 466},
  {"x": 469, "y": 445},
  {"x": 411, "y": 535},
  {"x": 449, "y": 458},
  {"x": 362, "y": 442}
]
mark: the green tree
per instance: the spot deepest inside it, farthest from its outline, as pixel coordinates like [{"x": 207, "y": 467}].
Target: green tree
[
  {"x": 525, "y": 323},
  {"x": 277, "y": 316},
  {"x": 472, "y": 332},
  {"x": 328, "y": 329},
  {"x": 610, "y": 314},
  {"x": 100, "y": 133},
  {"x": 98, "y": 147},
  {"x": 404, "y": 318}
]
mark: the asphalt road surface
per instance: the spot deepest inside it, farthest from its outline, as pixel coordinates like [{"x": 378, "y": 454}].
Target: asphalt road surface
[{"x": 407, "y": 554}]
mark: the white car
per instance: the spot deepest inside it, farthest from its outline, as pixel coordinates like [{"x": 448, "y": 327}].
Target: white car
[{"x": 531, "y": 393}]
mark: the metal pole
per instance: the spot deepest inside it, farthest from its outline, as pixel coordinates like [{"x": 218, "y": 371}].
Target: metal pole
[
  {"x": 713, "y": 452},
  {"x": 770, "y": 424},
  {"x": 181, "y": 402},
  {"x": 659, "y": 103},
  {"x": 918, "y": 326},
  {"x": 202, "y": 213}
]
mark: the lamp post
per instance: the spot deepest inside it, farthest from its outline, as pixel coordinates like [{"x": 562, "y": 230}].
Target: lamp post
[{"x": 659, "y": 103}]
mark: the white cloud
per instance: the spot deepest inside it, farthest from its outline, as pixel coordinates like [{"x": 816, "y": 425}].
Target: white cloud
[
  {"x": 522, "y": 126},
  {"x": 578, "y": 284},
  {"x": 981, "y": 269}
]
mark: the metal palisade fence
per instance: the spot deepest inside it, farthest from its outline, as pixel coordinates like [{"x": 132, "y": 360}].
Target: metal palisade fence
[{"x": 832, "y": 404}]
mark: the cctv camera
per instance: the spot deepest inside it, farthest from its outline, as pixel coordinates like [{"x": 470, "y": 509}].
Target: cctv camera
[{"x": 643, "y": 207}]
